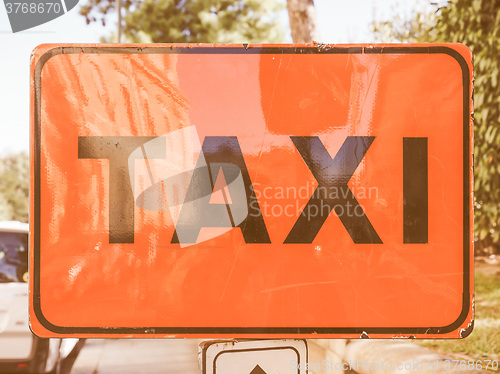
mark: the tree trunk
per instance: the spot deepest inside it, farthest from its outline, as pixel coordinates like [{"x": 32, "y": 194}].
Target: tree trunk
[{"x": 302, "y": 16}]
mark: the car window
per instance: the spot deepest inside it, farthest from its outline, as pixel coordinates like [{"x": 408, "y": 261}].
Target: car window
[{"x": 13, "y": 257}]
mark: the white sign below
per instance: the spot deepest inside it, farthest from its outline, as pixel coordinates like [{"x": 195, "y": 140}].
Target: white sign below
[{"x": 286, "y": 356}]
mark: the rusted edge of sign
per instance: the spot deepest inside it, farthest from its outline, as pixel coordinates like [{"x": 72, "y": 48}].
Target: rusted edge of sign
[{"x": 457, "y": 327}]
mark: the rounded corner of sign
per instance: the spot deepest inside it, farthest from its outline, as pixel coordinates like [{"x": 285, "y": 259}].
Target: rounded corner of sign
[
  {"x": 467, "y": 320},
  {"x": 464, "y": 50},
  {"x": 31, "y": 326},
  {"x": 39, "y": 51},
  {"x": 302, "y": 343},
  {"x": 41, "y": 54},
  {"x": 462, "y": 326},
  {"x": 37, "y": 328},
  {"x": 461, "y": 332},
  {"x": 462, "y": 54},
  {"x": 467, "y": 329},
  {"x": 206, "y": 344},
  {"x": 40, "y": 326}
]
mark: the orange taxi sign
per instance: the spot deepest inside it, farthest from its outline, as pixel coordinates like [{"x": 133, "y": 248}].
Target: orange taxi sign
[{"x": 251, "y": 191}]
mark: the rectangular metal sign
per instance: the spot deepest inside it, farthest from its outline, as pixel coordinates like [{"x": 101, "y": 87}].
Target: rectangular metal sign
[
  {"x": 284, "y": 356},
  {"x": 251, "y": 191}
]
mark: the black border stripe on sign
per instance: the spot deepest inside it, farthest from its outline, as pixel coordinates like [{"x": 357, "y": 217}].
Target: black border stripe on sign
[{"x": 252, "y": 330}]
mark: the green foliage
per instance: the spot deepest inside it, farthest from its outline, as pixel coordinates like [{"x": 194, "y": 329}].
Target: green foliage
[
  {"x": 14, "y": 187},
  {"x": 419, "y": 28},
  {"x": 476, "y": 24},
  {"x": 194, "y": 21}
]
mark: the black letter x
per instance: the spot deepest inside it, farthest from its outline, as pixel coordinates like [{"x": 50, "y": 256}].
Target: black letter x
[{"x": 332, "y": 192}]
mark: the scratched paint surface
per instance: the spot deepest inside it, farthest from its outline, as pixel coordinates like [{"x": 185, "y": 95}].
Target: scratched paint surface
[{"x": 226, "y": 285}]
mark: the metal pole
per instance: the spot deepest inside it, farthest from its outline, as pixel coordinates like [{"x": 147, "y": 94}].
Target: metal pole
[{"x": 119, "y": 12}]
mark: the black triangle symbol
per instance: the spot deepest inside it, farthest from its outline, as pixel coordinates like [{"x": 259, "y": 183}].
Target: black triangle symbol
[{"x": 257, "y": 370}]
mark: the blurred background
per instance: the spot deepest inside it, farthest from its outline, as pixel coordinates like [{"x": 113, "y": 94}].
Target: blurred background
[{"x": 475, "y": 23}]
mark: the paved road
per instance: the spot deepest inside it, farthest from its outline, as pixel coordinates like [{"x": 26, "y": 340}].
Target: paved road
[{"x": 138, "y": 356}]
